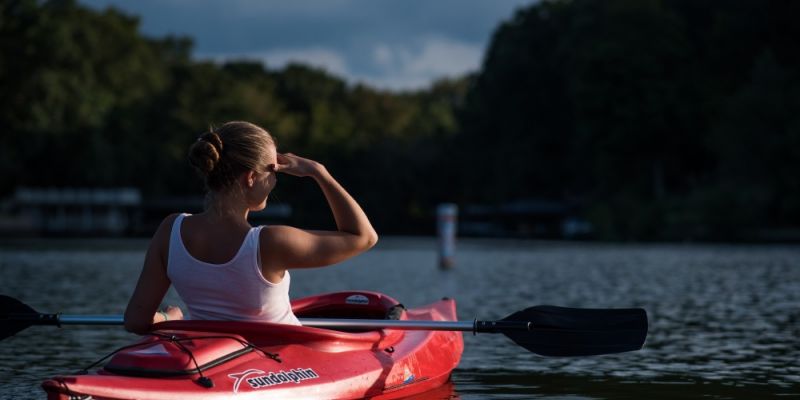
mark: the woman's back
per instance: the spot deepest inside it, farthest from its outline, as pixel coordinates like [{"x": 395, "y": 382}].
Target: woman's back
[
  {"x": 212, "y": 241},
  {"x": 232, "y": 289}
]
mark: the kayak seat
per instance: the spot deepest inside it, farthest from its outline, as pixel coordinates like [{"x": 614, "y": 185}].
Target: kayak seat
[{"x": 354, "y": 304}]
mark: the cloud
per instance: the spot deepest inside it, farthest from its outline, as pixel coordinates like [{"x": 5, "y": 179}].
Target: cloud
[
  {"x": 327, "y": 59},
  {"x": 382, "y": 56},
  {"x": 446, "y": 57},
  {"x": 414, "y": 67}
]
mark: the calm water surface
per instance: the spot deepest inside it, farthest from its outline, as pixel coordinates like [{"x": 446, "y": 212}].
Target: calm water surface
[{"x": 725, "y": 320}]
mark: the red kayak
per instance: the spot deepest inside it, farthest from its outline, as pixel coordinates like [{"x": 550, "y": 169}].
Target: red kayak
[{"x": 225, "y": 360}]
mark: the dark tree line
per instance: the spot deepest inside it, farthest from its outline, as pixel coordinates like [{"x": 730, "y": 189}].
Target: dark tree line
[
  {"x": 663, "y": 119},
  {"x": 657, "y": 119}
]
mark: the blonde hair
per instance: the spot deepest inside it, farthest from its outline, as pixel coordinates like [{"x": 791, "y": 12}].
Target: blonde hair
[{"x": 221, "y": 155}]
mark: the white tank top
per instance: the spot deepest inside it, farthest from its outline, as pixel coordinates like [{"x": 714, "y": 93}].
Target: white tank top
[{"x": 234, "y": 291}]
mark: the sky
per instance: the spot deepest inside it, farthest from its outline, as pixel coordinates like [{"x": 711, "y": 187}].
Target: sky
[{"x": 396, "y": 45}]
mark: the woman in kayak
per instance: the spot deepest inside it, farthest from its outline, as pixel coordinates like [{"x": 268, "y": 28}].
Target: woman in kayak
[{"x": 225, "y": 269}]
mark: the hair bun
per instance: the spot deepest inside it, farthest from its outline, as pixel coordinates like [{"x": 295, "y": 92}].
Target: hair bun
[
  {"x": 206, "y": 152},
  {"x": 214, "y": 139}
]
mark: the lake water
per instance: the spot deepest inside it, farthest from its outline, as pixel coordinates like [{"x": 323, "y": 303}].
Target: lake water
[{"x": 724, "y": 320}]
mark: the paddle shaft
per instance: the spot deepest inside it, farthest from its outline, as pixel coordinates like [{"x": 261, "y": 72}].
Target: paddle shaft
[
  {"x": 469, "y": 326},
  {"x": 341, "y": 323}
]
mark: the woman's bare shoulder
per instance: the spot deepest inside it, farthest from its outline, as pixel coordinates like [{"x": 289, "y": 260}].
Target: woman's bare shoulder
[
  {"x": 276, "y": 234},
  {"x": 160, "y": 239},
  {"x": 166, "y": 225},
  {"x": 170, "y": 219}
]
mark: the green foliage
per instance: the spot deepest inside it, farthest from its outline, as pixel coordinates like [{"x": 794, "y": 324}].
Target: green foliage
[{"x": 66, "y": 70}]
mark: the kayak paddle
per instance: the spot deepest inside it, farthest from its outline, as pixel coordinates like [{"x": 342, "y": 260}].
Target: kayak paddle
[{"x": 544, "y": 330}]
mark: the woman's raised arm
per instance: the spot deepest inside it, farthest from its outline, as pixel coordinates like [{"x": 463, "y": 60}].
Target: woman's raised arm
[{"x": 287, "y": 247}]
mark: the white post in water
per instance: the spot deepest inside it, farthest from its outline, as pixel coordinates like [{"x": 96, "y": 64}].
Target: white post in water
[{"x": 446, "y": 226}]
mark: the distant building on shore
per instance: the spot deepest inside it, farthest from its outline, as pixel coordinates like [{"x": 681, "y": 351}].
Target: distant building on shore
[
  {"x": 71, "y": 211},
  {"x": 100, "y": 211},
  {"x": 528, "y": 218}
]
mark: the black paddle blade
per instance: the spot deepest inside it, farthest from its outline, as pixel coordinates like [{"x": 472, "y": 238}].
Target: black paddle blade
[
  {"x": 11, "y": 311},
  {"x": 561, "y": 332}
]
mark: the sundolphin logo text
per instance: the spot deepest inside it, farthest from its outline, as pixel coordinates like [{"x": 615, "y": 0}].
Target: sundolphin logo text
[
  {"x": 239, "y": 377},
  {"x": 258, "y": 379}
]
